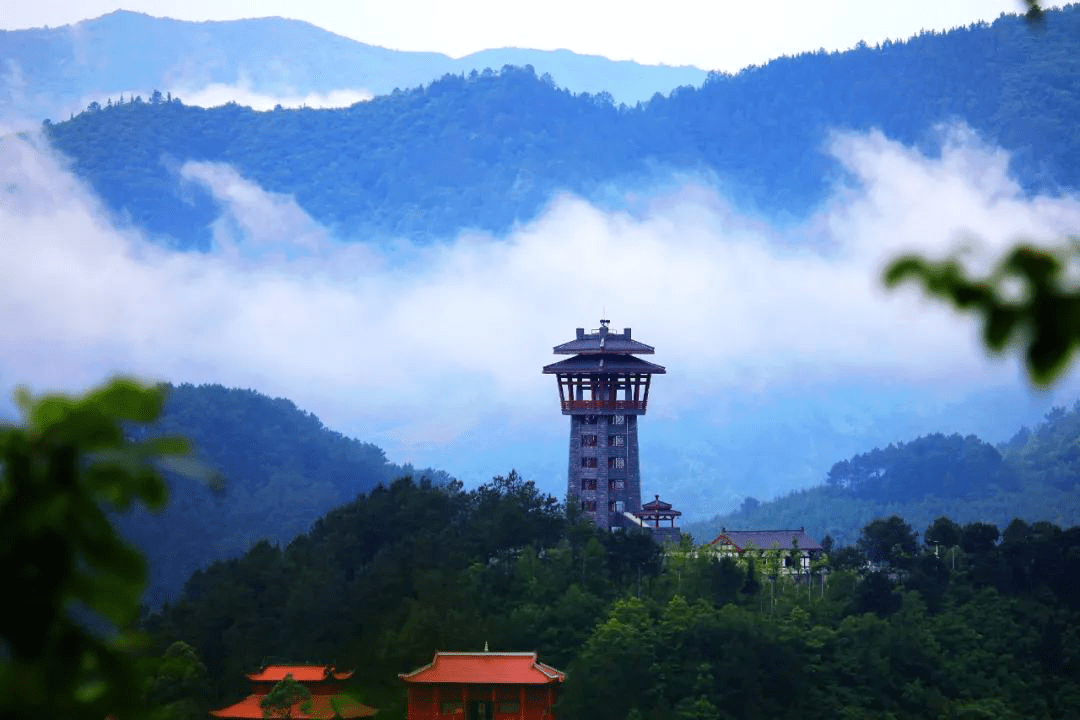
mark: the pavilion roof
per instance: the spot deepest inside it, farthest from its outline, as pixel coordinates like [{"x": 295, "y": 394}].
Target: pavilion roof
[
  {"x": 486, "y": 668},
  {"x": 766, "y": 539},
  {"x": 604, "y": 363},
  {"x": 322, "y": 707},
  {"x": 300, "y": 673},
  {"x": 658, "y": 506}
]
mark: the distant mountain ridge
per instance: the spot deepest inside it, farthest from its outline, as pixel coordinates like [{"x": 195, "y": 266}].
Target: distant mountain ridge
[
  {"x": 49, "y": 72},
  {"x": 489, "y": 151}
]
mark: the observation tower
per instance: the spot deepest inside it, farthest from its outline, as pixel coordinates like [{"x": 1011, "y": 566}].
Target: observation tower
[{"x": 604, "y": 388}]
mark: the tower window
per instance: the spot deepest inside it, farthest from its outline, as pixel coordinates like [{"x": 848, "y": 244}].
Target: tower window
[
  {"x": 588, "y": 441},
  {"x": 618, "y": 419},
  {"x": 588, "y": 462},
  {"x": 588, "y": 505},
  {"x": 615, "y": 463},
  {"x": 616, "y": 440},
  {"x": 588, "y": 484},
  {"x": 616, "y": 484}
]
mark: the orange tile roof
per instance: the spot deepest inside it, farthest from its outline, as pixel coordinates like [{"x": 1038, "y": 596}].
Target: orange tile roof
[
  {"x": 300, "y": 673},
  {"x": 322, "y": 707},
  {"x": 486, "y": 668}
]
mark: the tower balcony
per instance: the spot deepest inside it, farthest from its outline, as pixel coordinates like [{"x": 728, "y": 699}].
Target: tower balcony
[{"x": 631, "y": 407}]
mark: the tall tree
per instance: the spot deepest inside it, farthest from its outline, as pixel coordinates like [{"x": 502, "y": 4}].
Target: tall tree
[{"x": 286, "y": 695}]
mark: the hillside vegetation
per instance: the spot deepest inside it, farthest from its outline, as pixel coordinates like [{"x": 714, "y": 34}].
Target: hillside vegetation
[
  {"x": 1035, "y": 476},
  {"x": 489, "y": 150},
  {"x": 281, "y": 470}
]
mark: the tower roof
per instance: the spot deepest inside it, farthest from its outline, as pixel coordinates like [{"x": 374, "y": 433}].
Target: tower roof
[
  {"x": 488, "y": 668},
  {"x": 604, "y": 363},
  {"x": 603, "y": 341}
]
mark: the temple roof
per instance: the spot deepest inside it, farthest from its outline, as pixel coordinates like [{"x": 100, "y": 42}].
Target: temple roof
[
  {"x": 766, "y": 539},
  {"x": 322, "y": 707},
  {"x": 488, "y": 668},
  {"x": 300, "y": 673},
  {"x": 603, "y": 341},
  {"x": 604, "y": 363}
]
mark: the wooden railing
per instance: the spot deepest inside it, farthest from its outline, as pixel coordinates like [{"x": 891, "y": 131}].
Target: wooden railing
[{"x": 602, "y": 405}]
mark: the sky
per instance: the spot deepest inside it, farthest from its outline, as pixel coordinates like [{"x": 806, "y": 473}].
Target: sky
[{"x": 711, "y": 35}]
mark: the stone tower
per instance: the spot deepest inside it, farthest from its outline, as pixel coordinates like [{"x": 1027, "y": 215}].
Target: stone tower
[{"x": 604, "y": 388}]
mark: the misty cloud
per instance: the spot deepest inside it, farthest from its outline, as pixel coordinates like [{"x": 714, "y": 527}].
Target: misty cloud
[
  {"x": 218, "y": 94},
  {"x": 416, "y": 355}
]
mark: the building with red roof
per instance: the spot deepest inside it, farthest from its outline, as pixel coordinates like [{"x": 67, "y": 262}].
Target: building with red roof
[
  {"x": 483, "y": 686},
  {"x": 326, "y": 685}
]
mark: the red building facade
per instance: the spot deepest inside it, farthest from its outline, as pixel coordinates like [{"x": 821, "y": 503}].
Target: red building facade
[
  {"x": 483, "y": 686},
  {"x": 326, "y": 685}
]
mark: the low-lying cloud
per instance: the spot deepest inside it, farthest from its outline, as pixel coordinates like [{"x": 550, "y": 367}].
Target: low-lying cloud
[
  {"x": 218, "y": 94},
  {"x": 419, "y": 355}
]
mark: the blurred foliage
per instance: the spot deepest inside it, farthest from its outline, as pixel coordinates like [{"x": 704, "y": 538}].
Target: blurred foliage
[
  {"x": 68, "y": 645},
  {"x": 1030, "y": 299}
]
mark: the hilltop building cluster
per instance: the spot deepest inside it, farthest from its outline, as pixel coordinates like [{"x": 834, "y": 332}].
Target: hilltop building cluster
[{"x": 604, "y": 388}]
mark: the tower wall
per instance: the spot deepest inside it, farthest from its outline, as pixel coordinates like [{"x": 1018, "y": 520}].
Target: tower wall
[{"x": 604, "y": 467}]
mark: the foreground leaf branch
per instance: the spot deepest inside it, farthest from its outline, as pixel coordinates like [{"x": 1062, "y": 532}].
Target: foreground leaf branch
[
  {"x": 1028, "y": 301},
  {"x": 68, "y": 645}
]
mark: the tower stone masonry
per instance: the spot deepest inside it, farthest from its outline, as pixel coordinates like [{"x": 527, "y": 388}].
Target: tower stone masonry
[{"x": 604, "y": 388}]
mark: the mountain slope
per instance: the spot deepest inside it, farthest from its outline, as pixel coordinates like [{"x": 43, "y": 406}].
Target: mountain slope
[
  {"x": 282, "y": 470},
  {"x": 1034, "y": 476}
]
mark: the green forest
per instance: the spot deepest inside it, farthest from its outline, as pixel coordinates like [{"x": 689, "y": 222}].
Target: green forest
[
  {"x": 974, "y": 622},
  {"x": 490, "y": 150}
]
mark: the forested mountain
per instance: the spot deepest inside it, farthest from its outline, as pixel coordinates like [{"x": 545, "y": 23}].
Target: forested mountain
[
  {"x": 281, "y": 469},
  {"x": 970, "y": 627},
  {"x": 488, "y": 150},
  {"x": 51, "y": 70},
  {"x": 1034, "y": 476}
]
